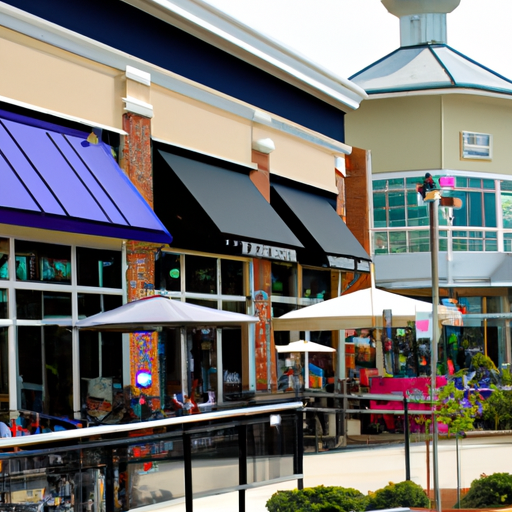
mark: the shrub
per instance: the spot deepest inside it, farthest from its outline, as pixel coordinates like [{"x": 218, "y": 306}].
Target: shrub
[
  {"x": 403, "y": 494},
  {"x": 318, "y": 499},
  {"x": 489, "y": 491}
]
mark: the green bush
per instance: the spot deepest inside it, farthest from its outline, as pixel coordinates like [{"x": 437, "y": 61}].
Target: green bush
[
  {"x": 403, "y": 494},
  {"x": 489, "y": 491},
  {"x": 318, "y": 499}
]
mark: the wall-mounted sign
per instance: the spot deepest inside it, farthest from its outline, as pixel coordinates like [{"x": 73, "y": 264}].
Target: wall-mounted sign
[{"x": 267, "y": 251}]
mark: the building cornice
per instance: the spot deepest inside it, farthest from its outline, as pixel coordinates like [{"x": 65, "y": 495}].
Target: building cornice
[
  {"x": 215, "y": 27},
  {"x": 50, "y": 33}
]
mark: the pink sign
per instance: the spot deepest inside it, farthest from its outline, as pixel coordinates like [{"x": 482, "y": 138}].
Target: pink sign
[{"x": 447, "y": 182}]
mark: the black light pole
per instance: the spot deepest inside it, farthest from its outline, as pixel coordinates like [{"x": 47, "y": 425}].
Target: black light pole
[{"x": 407, "y": 442}]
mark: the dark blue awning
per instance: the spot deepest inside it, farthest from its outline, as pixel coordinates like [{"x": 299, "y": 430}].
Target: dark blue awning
[{"x": 51, "y": 178}]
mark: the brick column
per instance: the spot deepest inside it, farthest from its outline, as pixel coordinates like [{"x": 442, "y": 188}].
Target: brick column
[
  {"x": 137, "y": 164},
  {"x": 357, "y": 205},
  {"x": 265, "y": 356}
]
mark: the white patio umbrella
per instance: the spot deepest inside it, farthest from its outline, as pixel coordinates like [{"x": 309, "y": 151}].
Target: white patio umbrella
[
  {"x": 305, "y": 347},
  {"x": 155, "y": 312},
  {"x": 352, "y": 311}
]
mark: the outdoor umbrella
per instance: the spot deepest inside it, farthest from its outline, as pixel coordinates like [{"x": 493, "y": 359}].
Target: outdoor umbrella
[
  {"x": 352, "y": 311},
  {"x": 304, "y": 346},
  {"x": 153, "y": 313}
]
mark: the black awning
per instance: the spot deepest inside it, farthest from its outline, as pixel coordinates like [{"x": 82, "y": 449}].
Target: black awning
[
  {"x": 53, "y": 178},
  {"x": 234, "y": 206},
  {"x": 319, "y": 228}
]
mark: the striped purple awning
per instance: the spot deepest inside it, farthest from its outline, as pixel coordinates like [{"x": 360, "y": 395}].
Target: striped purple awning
[{"x": 52, "y": 178}]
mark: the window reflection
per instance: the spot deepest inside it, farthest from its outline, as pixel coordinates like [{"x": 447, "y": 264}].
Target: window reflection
[
  {"x": 43, "y": 262},
  {"x": 316, "y": 284},
  {"x": 4, "y": 258},
  {"x": 232, "y": 276},
  {"x": 99, "y": 268},
  {"x": 168, "y": 272},
  {"x": 4, "y": 306},
  {"x": 201, "y": 274},
  {"x": 284, "y": 279}
]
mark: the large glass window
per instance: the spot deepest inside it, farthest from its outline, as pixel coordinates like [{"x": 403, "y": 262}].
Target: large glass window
[
  {"x": 4, "y": 305},
  {"x": 284, "y": 279},
  {"x": 4, "y": 362},
  {"x": 506, "y": 204},
  {"x": 99, "y": 268},
  {"x": 38, "y": 305},
  {"x": 397, "y": 204},
  {"x": 168, "y": 272},
  {"x": 4, "y": 258},
  {"x": 45, "y": 369},
  {"x": 316, "y": 284},
  {"x": 90, "y": 303},
  {"x": 43, "y": 262},
  {"x": 232, "y": 277},
  {"x": 201, "y": 274}
]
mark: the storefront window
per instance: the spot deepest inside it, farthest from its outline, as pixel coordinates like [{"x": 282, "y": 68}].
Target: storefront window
[
  {"x": 100, "y": 268},
  {"x": 170, "y": 364},
  {"x": 202, "y": 345},
  {"x": 101, "y": 356},
  {"x": 90, "y": 303},
  {"x": 45, "y": 368},
  {"x": 4, "y": 258},
  {"x": 232, "y": 362},
  {"x": 235, "y": 307},
  {"x": 284, "y": 279},
  {"x": 56, "y": 305},
  {"x": 4, "y": 305},
  {"x": 30, "y": 367},
  {"x": 232, "y": 276},
  {"x": 200, "y": 274},
  {"x": 29, "y": 304},
  {"x": 168, "y": 272},
  {"x": 4, "y": 362},
  {"x": 316, "y": 284},
  {"x": 43, "y": 262},
  {"x": 36, "y": 305}
]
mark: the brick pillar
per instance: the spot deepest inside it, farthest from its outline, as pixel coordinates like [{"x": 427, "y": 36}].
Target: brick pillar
[
  {"x": 265, "y": 356},
  {"x": 136, "y": 155},
  {"x": 137, "y": 164},
  {"x": 357, "y": 205}
]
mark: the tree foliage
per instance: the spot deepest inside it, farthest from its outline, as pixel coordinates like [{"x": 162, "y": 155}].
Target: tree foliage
[
  {"x": 456, "y": 410},
  {"x": 497, "y": 409}
]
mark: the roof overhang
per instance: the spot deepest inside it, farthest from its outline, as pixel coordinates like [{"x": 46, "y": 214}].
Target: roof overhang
[{"x": 217, "y": 28}]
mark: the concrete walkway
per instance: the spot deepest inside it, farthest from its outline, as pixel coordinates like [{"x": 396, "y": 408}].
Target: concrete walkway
[{"x": 371, "y": 468}]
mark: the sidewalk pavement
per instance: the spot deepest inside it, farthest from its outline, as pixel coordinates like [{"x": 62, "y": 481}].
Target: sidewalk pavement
[{"x": 371, "y": 468}]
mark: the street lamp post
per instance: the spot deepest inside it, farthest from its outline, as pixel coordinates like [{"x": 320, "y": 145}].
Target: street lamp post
[
  {"x": 434, "y": 251},
  {"x": 433, "y": 196}
]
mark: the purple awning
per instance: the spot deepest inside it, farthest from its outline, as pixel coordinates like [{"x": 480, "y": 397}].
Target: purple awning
[{"x": 51, "y": 178}]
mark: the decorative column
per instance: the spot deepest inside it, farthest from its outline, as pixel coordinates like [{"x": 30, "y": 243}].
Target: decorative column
[
  {"x": 265, "y": 354},
  {"x": 136, "y": 162}
]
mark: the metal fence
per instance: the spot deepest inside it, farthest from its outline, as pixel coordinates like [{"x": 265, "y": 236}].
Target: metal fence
[{"x": 123, "y": 467}]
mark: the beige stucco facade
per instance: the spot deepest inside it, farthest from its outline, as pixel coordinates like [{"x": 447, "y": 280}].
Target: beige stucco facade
[
  {"x": 49, "y": 78},
  {"x": 417, "y": 132},
  {"x": 62, "y": 83},
  {"x": 390, "y": 128}
]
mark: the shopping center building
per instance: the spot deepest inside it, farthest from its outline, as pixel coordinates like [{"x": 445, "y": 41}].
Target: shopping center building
[
  {"x": 433, "y": 110},
  {"x": 164, "y": 149}
]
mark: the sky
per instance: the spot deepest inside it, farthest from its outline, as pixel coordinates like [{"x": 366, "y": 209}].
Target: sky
[{"x": 345, "y": 36}]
